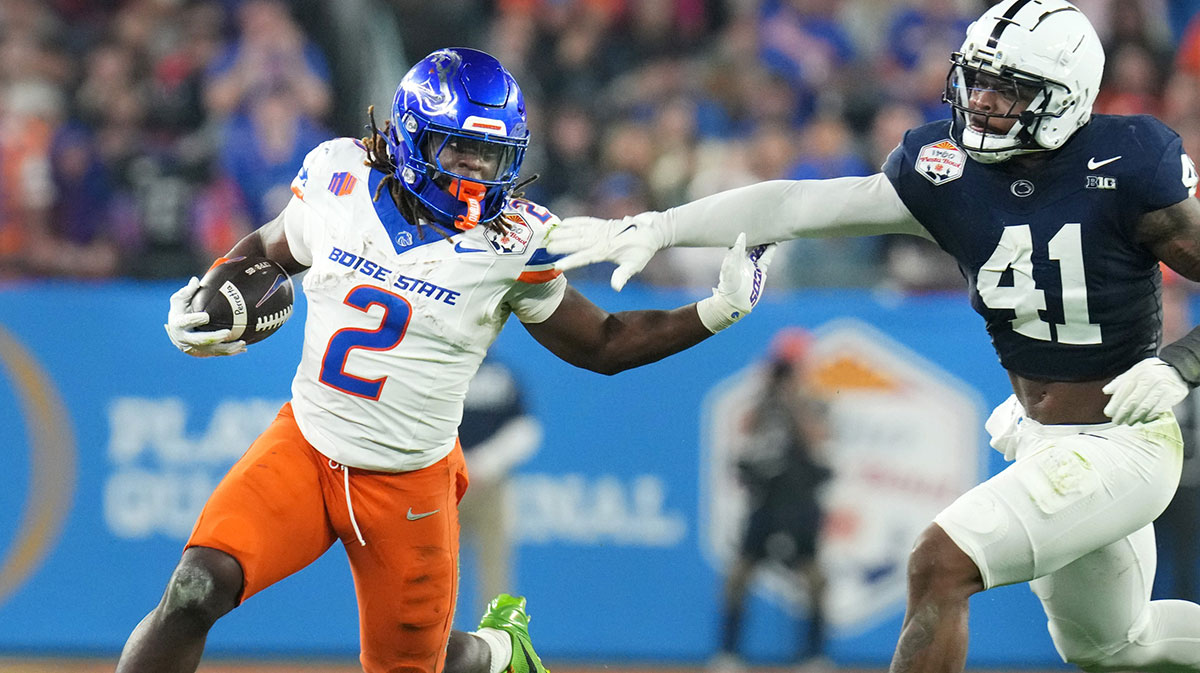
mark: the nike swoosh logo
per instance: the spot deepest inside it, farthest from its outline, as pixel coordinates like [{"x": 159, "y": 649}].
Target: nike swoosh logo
[
  {"x": 413, "y": 517},
  {"x": 1093, "y": 164},
  {"x": 458, "y": 247},
  {"x": 632, "y": 226},
  {"x": 279, "y": 281},
  {"x": 528, "y": 659}
]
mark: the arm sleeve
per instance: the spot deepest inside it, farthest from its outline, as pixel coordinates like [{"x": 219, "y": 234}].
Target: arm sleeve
[{"x": 781, "y": 210}]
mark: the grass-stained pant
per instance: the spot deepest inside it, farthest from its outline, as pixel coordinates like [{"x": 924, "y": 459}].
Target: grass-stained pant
[{"x": 1072, "y": 516}]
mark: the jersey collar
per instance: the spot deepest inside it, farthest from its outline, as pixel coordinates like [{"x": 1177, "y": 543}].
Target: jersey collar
[{"x": 401, "y": 232}]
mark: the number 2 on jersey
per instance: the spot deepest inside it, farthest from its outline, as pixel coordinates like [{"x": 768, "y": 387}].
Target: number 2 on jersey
[
  {"x": 393, "y": 325},
  {"x": 1015, "y": 251}
]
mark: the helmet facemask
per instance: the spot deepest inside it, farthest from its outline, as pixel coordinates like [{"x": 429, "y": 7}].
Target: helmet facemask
[{"x": 1023, "y": 98}]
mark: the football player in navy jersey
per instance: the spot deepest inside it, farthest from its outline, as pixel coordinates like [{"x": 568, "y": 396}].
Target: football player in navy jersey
[{"x": 1058, "y": 219}]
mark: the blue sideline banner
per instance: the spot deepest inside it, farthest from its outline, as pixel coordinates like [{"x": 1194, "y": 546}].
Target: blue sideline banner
[{"x": 626, "y": 516}]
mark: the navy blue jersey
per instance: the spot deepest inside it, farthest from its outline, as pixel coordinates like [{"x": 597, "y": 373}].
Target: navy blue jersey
[{"x": 1048, "y": 247}]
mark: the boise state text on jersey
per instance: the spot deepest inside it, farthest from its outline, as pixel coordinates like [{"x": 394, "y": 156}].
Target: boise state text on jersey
[
  {"x": 1048, "y": 245},
  {"x": 400, "y": 317}
]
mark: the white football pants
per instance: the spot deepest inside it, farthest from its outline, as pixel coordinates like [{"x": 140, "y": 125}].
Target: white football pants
[{"x": 1072, "y": 516}]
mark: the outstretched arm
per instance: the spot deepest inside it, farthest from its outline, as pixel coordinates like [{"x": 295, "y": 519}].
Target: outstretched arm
[
  {"x": 587, "y": 336},
  {"x": 781, "y": 210},
  {"x": 771, "y": 211}
]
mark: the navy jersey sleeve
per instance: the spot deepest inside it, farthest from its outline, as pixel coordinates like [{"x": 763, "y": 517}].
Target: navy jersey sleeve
[{"x": 1173, "y": 177}]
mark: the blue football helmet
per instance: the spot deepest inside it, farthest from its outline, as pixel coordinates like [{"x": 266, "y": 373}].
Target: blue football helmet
[{"x": 458, "y": 135}]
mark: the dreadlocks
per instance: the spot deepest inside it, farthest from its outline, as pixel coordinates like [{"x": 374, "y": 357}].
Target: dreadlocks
[{"x": 381, "y": 160}]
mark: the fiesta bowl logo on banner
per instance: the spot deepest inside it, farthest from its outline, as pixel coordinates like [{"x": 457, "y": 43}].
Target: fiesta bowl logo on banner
[
  {"x": 31, "y": 526},
  {"x": 903, "y": 444}
]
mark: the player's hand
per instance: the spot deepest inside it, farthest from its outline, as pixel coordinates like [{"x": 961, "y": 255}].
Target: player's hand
[
  {"x": 743, "y": 274},
  {"x": 629, "y": 242},
  {"x": 1147, "y": 390},
  {"x": 181, "y": 324}
]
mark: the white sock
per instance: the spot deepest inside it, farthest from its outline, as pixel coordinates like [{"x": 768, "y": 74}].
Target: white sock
[{"x": 500, "y": 643}]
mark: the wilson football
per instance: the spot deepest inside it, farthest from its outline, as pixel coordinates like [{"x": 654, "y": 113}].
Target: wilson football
[{"x": 252, "y": 296}]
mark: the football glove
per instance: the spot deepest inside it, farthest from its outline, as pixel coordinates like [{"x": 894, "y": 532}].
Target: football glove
[
  {"x": 181, "y": 323},
  {"x": 1147, "y": 390},
  {"x": 743, "y": 274},
  {"x": 629, "y": 242}
]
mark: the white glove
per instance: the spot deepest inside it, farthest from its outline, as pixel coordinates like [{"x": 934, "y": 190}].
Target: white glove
[
  {"x": 1147, "y": 390},
  {"x": 630, "y": 242},
  {"x": 180, "y": 324},
  {"x": 743, "y": 274}
]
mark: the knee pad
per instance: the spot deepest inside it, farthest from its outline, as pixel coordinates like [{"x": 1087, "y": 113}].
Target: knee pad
[
  {"x": 1165, "y": 638},
  {"x": 1075, "y": 646}
]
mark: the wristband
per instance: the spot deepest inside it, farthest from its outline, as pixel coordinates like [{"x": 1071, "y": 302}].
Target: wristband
[{"x": 717, "y": 313}]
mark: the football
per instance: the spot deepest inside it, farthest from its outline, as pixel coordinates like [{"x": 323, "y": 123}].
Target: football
[{"x": 252, "y": 296}]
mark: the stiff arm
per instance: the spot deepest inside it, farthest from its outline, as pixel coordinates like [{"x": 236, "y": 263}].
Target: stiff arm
[{"x": 776, "y": 210}]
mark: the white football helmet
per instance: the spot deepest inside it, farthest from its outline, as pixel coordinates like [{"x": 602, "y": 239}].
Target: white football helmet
[{"x": 1042, "y": 52}]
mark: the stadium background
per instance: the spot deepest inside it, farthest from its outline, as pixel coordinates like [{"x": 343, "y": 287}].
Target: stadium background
[{"x": 139, "y": 139}]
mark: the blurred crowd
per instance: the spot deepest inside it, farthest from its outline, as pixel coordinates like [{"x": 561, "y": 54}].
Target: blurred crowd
[{"x": 142, "y": 138}]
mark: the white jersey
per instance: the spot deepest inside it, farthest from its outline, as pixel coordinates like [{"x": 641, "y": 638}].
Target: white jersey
[{"x": 398, "y": 324}]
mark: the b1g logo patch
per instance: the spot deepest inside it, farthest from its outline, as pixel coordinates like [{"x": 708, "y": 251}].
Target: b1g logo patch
[
  {"x": 941, "y": 162},
  {"x": 514, "y": 241}
]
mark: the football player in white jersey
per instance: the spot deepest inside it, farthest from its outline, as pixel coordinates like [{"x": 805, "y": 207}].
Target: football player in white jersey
[
  {"x": 417, "y": 251},
  {"x": 1058, "y": 219}
]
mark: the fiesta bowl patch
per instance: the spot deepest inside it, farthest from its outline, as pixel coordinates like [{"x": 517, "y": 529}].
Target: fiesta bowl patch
[
  {"x": 941, "y": 162},
  {"x": 515, "y": 240}
]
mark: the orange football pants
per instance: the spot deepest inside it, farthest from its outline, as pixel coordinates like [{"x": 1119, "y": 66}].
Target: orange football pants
[{"x": 283, "y": 504}]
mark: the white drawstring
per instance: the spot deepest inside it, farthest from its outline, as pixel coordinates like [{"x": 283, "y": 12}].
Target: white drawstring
[{"x": 349, "y": 505}]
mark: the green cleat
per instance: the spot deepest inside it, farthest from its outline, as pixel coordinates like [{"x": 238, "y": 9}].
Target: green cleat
[{"x": 507, "y": 613}]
